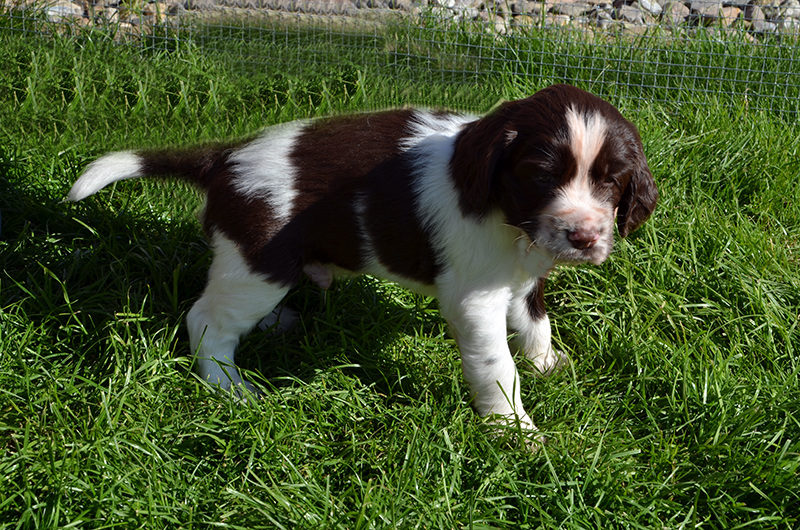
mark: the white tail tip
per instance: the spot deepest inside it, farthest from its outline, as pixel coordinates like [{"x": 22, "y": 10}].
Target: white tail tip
[{"x": 106, "y": 170}]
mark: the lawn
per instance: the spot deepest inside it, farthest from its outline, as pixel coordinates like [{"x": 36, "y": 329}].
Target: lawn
[{"x": 681, "y": 407}]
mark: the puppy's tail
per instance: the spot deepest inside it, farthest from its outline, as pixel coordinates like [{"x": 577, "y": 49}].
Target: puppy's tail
[{"x": 195, "y": 165}]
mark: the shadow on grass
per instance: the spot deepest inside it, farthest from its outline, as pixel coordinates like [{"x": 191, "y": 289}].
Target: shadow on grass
[{"x": 92, "y": 276}]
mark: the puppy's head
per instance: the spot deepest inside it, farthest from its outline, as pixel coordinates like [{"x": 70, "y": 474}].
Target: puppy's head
[{"x": 562, "y": 165}]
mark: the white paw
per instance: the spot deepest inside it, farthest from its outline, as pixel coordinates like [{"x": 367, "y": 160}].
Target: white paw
[
  {"x": 225, "y": 379},
  {"x": 281, "y": 320},
  {"x": 507, "y": 427},
  {"x": 549, "y": 362},
  {"x": 242, "y": 392},
  {"x": 246, "y": 392}
]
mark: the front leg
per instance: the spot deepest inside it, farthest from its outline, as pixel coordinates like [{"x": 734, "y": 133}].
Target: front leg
[
  {"x": 528, "y": 317},
  {"x": 477, "y": 320}
]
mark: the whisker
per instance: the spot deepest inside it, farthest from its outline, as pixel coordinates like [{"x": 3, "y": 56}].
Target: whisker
[{"x": 523, "y": 234}]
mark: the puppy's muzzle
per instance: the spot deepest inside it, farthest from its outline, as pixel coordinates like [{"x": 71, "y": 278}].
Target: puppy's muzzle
[{"x": 584, "y": 238}]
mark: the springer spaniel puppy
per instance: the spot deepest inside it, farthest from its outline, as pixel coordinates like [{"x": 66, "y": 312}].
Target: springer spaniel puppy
[{"x": 473, "y": 210}]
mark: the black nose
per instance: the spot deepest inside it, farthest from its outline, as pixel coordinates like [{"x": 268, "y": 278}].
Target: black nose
[{"x": 583, "y": 238}]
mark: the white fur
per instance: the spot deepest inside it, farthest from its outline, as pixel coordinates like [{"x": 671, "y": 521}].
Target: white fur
[
  {"x": 263, "y": 169},
  {"x": 367, "y": 247},
  {"x": 233, "y": 302},
  {"x": 108, "y": 169},
  {"x": 587, "y": 135},
  {"x": 533, "y": 335},
  {"x": 426, "y": 124},
  {"x": 281, "y": 320},
  {"x": 576, "y": 206},
  {"x": 483, "y": 261}
]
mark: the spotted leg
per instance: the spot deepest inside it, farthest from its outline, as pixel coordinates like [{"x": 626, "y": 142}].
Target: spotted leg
[{"x": 477, "y": 321}]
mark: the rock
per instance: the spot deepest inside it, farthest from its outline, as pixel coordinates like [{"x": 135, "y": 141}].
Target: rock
[
  {"x": 467, "y": 10},
  {"x": 608, "y": 24},
  {"x": 718, "y": 18},
  {"x": 110, "y": 15},
  {"x": 572, "y": 8},
  {"x": 466, "y": 13},
  {"x": 518, "y": 7},
  {"x": 651, "y": 6},
  {"x": 499, "y": 25},
  {"x": 527, "y": 7},
  {"x": 125, "y": 32},
  {"x": 347, "y": 7},
  {"x": 629, "y": 14},
  {"x": 199, "y": 4},
  {"x": 791, "y": 9},
  {"x": 522, "y": 22},
  {"x": 537, "y": 8},
  {"x": 790, "y": 26},
  {"x": 498, "y": 8},
  {"x": 602, "y": 18},
  {"x": 728, "y": 15},
  {"x": 155, "y": 13},
  {"x": 756, "y": 19},
  {"x": 675, "y": 13},
  {"x": 772, "y": 10},
  {"x": 706, "y": 12},
  {"x": 635, "y": 29},
  {"x": 63, "y": 11},
  {"x": 558, "y": 20},
  {"x": 92, "y": 8}
]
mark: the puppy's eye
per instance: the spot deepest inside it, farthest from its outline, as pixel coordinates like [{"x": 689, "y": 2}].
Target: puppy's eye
[
  {"x": 543, "y": 177},
  {"x": 536, "y": 172},
  {"x": 609, "y": 180}
]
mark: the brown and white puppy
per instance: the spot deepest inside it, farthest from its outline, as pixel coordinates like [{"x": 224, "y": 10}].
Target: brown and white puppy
[{"x": 475, "y": 211}]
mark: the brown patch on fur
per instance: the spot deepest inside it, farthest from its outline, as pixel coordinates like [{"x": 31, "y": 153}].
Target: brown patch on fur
[
  {"x": 339, "y": 162},
  {"x": 342, "y": 161},
  {"x": 535, "y": 301},
  {"x": 198, "y": 165}
]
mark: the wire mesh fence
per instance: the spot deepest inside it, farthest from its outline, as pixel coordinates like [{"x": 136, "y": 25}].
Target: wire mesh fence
[{"x": 744, "y": 55}]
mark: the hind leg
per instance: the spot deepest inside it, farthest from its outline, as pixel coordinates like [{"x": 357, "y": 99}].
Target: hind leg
[{"x": 233, "y": 302}]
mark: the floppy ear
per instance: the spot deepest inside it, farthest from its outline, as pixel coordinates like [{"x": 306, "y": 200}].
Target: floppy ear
[
  {"x": 478, "y": 150},
  {"x": 638, "y": 200}
]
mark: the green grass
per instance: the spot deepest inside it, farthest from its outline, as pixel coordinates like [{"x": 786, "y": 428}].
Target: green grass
[{"x": 680, "y": 408}]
